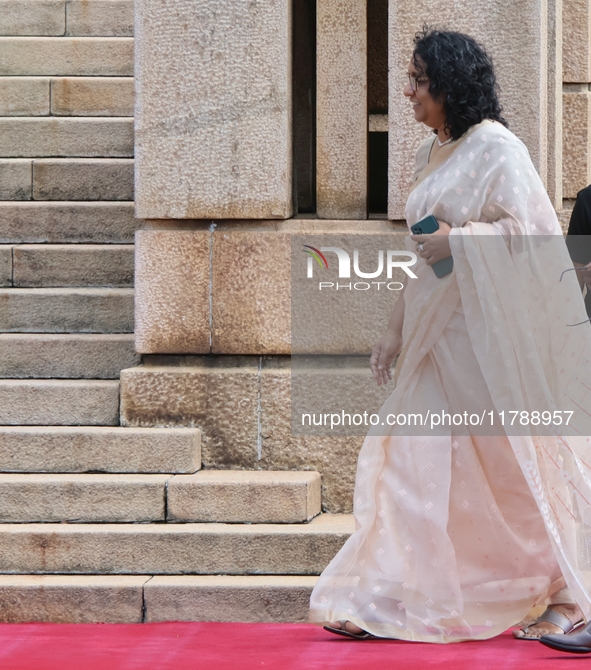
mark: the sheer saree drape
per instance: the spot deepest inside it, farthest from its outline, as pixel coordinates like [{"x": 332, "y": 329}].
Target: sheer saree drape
[{"x": 459, "y": 533}]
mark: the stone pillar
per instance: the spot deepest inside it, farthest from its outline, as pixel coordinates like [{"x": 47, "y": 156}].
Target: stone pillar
[
  {"x": 341, "y": 120},
  {"x": 522, "y": 41},
  {"x": 577, "y": 139},
  {"x": 213, "y": 112},
  {"x": 576, "y": 62}
]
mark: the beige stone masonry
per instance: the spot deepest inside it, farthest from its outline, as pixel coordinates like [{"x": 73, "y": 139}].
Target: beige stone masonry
[
  {"x": 213, "y": 121},
  {"x": 172, "y": 291},
  {"x": 71, "y": 598},
  {"x": 83, "y": 498},
  {"x": 268, "y": 598},
  {"x": 92, "y": 96},
  {"x": 520, "y": 34},
  {"x": 185, "y": 548},
  {"x": 16, "y": 179},
  {"x": 76, "y": 356},
  {"x": 67, "y": 222},
  {"x": 577, "y": 142},
  {"x": 83, "y": 179},
  {"x": 66, "y": 56},
  {"x": 48, "y": 265},
  {"x": 50, "y": 402},
  {"x": 219, "y": 396},
  {"x": 251, "y": 292},
  {"x": 100, "y": 138},
  {"x": 341, "y": 109},
  {"x": 5, "y": 266},
  {"x": 99, "y": 17},
  {"x": 24, "y": 96},
  {"x": 576, "y": 54},
  {"x": 99, "y": 449},
  {"x": 32, "y": 17},
  {"x": 243, "y": 408},
  {"x": 333, "y": 456},
  {"x": 66, "y": 310},
  {"x": 234, "y": 496}
]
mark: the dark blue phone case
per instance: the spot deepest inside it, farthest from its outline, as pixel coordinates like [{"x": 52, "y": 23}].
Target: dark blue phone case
[{"x": 427, "y": 226}]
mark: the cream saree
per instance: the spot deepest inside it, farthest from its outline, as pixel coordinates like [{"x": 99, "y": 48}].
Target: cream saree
[{"x": 459, "y": 531}]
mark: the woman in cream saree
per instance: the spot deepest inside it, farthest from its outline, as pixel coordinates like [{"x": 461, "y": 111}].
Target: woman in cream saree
[{"x": 461, "y": 530}]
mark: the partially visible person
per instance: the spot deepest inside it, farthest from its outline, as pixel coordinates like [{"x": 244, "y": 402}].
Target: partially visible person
[{"x": 578, "y": 241}]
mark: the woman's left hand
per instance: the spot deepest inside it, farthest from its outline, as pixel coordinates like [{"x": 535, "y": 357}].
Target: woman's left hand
[{"x": 435, "y": 245}]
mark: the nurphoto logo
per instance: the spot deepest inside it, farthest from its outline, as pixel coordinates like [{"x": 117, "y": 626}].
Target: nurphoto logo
[{"x": 344, "y": 268}]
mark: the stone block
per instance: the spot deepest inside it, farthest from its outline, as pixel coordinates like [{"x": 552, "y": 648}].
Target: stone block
[
  {"x": 24, "y": 96},
  {"x": 87, "y": 498},
  {"x": 51, "y": 402},
  {"x": 71, "y": 598},
  {"x": 254, "y": 598},
  {"x": 172, "y": 291},
  {"x": 524, "y": 35},
  {"x": 92, "y": 138},
  {"x": 90, "y": 179},
  {"x": 341, "y": 109},
  {"x": 43, "y": 356},
  {"x": 5, "y": 266},
  {"x": 213, "y": 122},
  {"x": 66, "y": 56},
  {"x": 251, "y": 292},
  {"x": 234, "y": 496},
  {"x": 576, "y": 54},
  {"x": 32, "y": 17},
  {"x": 92, "y": 96},
  {"x": 48, "y": 265},
  {"x": 16, "y": 177},
  {"x": 186, "y": 548},
  {"x": 99, "y": 17},
  {"x": 576, "y": 142},
  {"x": 334, "y": 457},
  {"x": 67, "y": 222},
  {"x": 66, "y": 310},
  {"x": 99, "y": 449},
  {"x": 217, "y": 395}
]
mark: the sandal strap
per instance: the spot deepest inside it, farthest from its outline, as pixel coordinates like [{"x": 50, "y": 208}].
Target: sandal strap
[{"x": 550, "y": 616}]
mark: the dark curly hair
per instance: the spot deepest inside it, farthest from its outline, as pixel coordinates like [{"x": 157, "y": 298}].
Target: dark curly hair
[{"x": 460, "y": 69}]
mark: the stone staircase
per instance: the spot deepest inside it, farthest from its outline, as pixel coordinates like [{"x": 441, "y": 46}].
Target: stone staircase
[{"x": 100, "y": 522}]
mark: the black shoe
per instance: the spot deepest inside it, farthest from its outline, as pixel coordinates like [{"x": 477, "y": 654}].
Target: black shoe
[{"x": 575, "y": 643}]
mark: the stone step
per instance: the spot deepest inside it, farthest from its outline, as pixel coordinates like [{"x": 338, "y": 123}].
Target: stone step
[
  {"x": 192, "y": 548},
  {"x": 137, "y": 598},
  {"x": 96, "y": 17},
  {"x": 89, "y": 96},
  {"x": 66, "y": 310},
  {"x": 75, "y": 265},
  {"x": 67, "y": 222},
  {"x": 252, "y": 598},
  {"x": 22, "y": 137},
  {"x": 71, "y": 598},
  {"x": 99, "y": 449},
  {"x": 66, "y": 56},
  {"x": 52, "y": 402},
  {"x": 235, "y": 496},
  {"x": 83, "y": 179},
  {"x": 69, "y": 356},
  {"x": 83, "y": 498}
]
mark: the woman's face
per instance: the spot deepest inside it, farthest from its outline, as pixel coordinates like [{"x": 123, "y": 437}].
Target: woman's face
[{"x": 426, "y": 109}]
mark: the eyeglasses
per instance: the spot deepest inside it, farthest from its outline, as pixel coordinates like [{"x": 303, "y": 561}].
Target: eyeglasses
[
  {"x": 561, "y": 276},
  {"x": 415, "y": 81}
]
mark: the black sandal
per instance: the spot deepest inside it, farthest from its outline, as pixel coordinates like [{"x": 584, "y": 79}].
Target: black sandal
[
  {"x": 343, "y": 631},
  {"x": 550, "y": 616}
]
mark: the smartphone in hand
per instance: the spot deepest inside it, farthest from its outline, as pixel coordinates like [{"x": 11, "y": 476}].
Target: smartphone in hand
[{"x": 427, "y": 226}]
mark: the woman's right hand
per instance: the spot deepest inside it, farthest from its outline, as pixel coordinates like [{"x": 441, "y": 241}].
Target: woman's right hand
[{"x": 383, "y": 355}]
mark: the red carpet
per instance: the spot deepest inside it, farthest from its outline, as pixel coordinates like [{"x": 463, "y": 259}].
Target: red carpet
[{"x": 226, "y": 646}]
